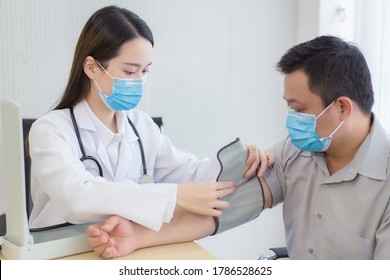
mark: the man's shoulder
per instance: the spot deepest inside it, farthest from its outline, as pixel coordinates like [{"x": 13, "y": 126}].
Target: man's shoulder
[{"x": 287, "y": 149}]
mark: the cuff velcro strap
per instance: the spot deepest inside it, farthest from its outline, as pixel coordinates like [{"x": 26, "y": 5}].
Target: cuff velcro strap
[{"x": 247, "y": 202}]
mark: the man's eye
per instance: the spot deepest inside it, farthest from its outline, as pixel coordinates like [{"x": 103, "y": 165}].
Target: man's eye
[{"x": 299, "y": 110}]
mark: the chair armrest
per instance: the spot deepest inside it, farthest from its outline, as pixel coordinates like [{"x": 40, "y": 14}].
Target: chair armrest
[
  {"x": 3, "y": 226},
  {"x": 275, "y": 253}
]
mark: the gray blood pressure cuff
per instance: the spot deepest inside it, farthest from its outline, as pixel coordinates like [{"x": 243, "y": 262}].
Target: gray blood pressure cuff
[{"x": 247, "y": 202}]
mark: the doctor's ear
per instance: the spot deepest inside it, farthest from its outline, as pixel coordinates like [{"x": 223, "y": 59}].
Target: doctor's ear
[
  {"x": 90, "y": 67},
  {"x": 345, "y": 106}
]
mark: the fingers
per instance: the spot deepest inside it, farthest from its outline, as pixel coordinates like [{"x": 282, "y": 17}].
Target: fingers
[
  {"x": 223, "y": 189},
  {"x": 98, "y": 241},
  {"x": 256, "y": 160},
  {"x": 263, "y": 163},
  {"x": 252, "y": 155},
  {"x": 225, "y": 186},
  {"x": 103, "y": 245},
  {"x": 99, "y": 238},
  {"x": 221, "y": 204},
  {"x": 215, "y": 212},
  {"x": 252, "y": 169},
  {"x": 271, "y": 158},
  {"x": 106, "y": 252},
  {"x": 112, "y": 222},
  {"x": 202, "y": 198},
  {"x": 93, "y": 230}
]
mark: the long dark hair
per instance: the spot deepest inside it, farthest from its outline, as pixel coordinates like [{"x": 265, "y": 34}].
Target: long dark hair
[{"x": 102, "y": 37}]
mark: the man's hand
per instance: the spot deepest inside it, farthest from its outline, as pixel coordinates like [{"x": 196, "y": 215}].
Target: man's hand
[{"x": 115, "y": 237}]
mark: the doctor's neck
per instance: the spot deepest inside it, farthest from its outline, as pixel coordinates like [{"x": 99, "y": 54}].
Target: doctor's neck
[{"x": 102, "y": 112}]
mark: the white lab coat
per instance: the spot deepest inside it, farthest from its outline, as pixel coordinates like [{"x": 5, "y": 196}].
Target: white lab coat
[{"x": 66, "y": 190}]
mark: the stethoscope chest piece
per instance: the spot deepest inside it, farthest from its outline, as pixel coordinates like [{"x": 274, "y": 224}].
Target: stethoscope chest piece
[{"x": 146, "y": 179}]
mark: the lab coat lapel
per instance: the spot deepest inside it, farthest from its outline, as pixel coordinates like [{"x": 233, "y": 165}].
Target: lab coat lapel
[
  {"x": 85, "y": 123},
  {"x": 102, "y": 153},
  {"x": 127, "y": 153}
]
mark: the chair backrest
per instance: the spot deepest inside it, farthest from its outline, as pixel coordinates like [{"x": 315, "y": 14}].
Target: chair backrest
[
  {"x": 27, "y": 123},
  {"x": 158, "y": 121}
]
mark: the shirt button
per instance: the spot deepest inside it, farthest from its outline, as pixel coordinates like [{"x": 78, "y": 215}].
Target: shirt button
[
  {"x": 319, "y": 216},
  {"x": 350, "y": 173},
  {"x": 311, "y": 250}
]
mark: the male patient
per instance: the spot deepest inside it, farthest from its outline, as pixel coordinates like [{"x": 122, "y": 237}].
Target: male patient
[{"x": 332, "y": 172}]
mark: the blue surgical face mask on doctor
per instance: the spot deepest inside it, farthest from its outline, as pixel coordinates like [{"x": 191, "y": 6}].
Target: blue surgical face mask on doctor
[
  {"x": 126, "y": 94},
  {"x": 302, "y": 131}
]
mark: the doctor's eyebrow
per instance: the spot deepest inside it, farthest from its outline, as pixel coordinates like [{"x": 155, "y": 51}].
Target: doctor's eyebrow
[{"x": 136, "y": 64}]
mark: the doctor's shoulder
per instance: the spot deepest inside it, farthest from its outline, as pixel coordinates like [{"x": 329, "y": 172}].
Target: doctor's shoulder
[
  {"x": 142, "y": 121},
  {"x": 56, "y": 121}
]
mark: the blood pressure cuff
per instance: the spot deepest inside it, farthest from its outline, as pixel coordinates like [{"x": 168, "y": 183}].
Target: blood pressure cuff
[{"x": 247, "y": 202}]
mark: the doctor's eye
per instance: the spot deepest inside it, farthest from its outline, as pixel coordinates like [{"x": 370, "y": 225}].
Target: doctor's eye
[{"x": 129, "y": 72}]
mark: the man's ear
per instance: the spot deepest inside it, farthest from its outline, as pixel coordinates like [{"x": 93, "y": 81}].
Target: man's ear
[
  {"x": 345, "y": 105},
  {"x": 90, "y": 67}
]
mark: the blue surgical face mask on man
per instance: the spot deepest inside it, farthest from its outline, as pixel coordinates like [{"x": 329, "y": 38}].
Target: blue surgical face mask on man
[
  {"x": 302, "y": 131},
  {"x": 126, "y": 94}
]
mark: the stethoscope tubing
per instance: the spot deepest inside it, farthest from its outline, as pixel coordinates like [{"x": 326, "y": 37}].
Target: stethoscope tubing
[
  {"x": 84, "y": 155},
  {"x": 81, "y": 145}
]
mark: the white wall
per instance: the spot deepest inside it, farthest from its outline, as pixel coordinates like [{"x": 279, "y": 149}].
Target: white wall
[
  {"x": 212, "y": 79},
  {"x": 372, "y": 35},
  {"x": 321, "y": 17}
]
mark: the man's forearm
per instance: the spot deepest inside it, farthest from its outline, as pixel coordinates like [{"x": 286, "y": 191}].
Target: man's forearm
[{"x": 184, "y": 226}]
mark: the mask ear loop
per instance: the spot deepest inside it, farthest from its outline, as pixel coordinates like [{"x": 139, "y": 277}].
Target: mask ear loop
[
  {"x": 337, "y": 128},
  {"x": 326, "y": 109},
  {"x": 103, "y": 69},
  {"x": 100, "y": 90}
]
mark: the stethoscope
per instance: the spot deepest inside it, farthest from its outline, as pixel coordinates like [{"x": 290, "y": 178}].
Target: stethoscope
[{"x": 144, "y": 179}]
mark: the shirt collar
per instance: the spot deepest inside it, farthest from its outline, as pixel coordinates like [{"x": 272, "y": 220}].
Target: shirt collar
[
  {"x": 370, "y": 160},
  {"x": 87, "y": 119}
]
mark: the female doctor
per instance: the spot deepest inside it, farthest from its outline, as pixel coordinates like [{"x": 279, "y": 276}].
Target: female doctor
[{"x": 95, "y": 155}]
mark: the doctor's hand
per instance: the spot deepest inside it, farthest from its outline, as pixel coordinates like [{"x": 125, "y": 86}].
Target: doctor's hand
[
  {"x": 203, "y": 198},
  {"x": 257, "y": 159},
  {"x": 115, "y": 237}
]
